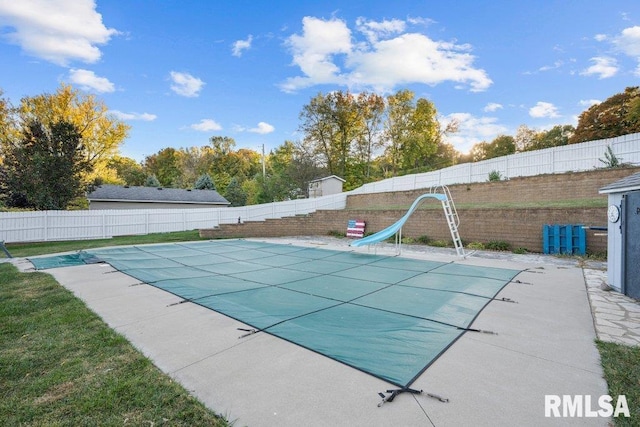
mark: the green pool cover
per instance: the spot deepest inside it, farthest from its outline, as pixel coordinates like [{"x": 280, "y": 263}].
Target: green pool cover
[{"x": 387, "y": 316}]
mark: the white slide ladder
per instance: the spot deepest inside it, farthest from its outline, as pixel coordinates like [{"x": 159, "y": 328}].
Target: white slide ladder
[{"x": 451, "y": 215}]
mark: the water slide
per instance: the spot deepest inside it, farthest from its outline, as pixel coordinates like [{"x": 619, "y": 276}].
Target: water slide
[{"x": 394, "y": 228}]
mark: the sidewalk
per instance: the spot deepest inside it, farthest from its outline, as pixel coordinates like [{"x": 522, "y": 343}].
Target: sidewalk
[{"x": 616, "y": 317}]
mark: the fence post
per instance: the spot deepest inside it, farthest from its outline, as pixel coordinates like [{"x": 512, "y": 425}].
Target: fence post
[{"x": 46, "y": 226}]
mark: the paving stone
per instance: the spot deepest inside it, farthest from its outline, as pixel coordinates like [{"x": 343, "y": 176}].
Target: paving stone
[
  {"x": 631, "y": 307},
  {"x": 602, "y": 322},
  {"x": 616, "y": 332},
  {"x": 626, "y": 340}
]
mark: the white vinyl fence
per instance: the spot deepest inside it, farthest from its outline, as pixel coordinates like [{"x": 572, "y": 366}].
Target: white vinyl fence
[
  {"x": 38, "y": 226},
  {"x": 76, "y": 225},
  {"x": 568, "y": 158}
]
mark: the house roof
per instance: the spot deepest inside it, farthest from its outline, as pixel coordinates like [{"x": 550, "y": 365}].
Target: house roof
[
  {"x": 328, "y": 177},
  {"x": 630, "y": 183},
  {"x": 117, "y": 193}
]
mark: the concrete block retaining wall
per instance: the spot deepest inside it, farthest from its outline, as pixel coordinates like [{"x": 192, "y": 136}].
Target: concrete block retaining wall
[{"x": 520, "y": 227}]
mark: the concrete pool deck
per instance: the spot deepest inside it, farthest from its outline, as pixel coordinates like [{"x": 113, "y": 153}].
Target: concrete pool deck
[{"x": 544, "y": 345}]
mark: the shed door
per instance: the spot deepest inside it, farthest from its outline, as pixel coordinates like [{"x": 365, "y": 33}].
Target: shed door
[{"x": 631, "y": 244}]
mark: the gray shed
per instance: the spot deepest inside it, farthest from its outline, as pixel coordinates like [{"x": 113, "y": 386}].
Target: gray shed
[
  {"x": 325, "y": 186},
  {"x": 119, "y": 197},
  {"x": 623, "y": 235}
]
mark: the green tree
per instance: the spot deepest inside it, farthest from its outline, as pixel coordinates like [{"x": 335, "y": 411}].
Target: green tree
[
  {"x": 204, "y": 182},
  {"x": 397, "y": 127},
  {"x": 557, "y": 136},
  {"x": 128, "y": 170},
  {"x": 412, "y": 133},
  {"x": 165, "y": 165},
  {"x": 613, "y": 117},
  {"x": 502, "y": 145},
  {"x": 45, "y": 169},
  {"x": 152, "y": 181},
  {"x": 235, "y": 194}
]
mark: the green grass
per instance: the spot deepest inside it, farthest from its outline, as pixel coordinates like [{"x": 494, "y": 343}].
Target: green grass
[
  {"x": 42, "y": 248},
  {"x": 61, "y": 365},
  {"x": 621, "y": 366}
]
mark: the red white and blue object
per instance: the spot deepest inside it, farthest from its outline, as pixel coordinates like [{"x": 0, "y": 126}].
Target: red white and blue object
[{"x": 355, "y": 228}]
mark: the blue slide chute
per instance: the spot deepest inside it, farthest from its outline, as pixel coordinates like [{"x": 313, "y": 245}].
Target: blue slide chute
[{"x": 394, "y": 228}]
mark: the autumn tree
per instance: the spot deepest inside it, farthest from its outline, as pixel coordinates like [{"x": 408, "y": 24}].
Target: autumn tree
[
  {"x": 372, "y": 108},
  {"x": 557, "y": 136},
  {"x": 165, "y": 165},
  {"x": 46, "y": 167},
  {"x": 610, "y": 118},
  {"x": 101, "y": 133},
  {"x": 332, "y": 124}
]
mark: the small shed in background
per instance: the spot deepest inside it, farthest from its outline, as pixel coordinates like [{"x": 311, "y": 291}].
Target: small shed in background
[
  {"x": 325, "y": 186},
  {"x": 623, "y": 231},
  {"x": 119, "y": 197}
]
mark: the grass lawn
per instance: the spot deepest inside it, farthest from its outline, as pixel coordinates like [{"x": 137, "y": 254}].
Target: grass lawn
[
  {"x": 60, "y": 364},
  {"x": 42, "y": 248},
  {"x": 621, "y": 365}
]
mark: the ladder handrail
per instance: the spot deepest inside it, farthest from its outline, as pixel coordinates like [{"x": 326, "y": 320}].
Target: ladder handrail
[
  {"x": 447, "y": 193},
  {"x": 451, "y": 215}
]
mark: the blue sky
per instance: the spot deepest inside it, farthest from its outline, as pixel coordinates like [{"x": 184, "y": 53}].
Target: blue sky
[{"x": 180, "y": 72}]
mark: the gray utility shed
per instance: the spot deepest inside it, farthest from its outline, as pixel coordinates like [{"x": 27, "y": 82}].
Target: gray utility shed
[
  {"x": 623, "y": 235},
  {"x": 119, "y": 197},
  {"x": 325, "y": 186}
]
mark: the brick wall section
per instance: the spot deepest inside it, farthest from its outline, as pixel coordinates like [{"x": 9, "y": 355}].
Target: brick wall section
[
  {"x": 522, "y": 228},
  {"x": 541, "y": 188}
]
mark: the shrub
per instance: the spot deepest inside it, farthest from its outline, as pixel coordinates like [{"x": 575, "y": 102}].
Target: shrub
[
  {"x": 495, "y": 176},
  {"x": 439, "y": 243},
  {"x": 497, "y": 245},
  {"x": 475, "y": 245},
  {"x": 520, "y": 251},
  {"x": 423, "y": 240},
  {"x": 335, "y": 233}
]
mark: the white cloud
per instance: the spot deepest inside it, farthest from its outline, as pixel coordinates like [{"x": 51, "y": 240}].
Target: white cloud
[
  {"x": 375, "y": 30},
  {"x": 185, "y": 84},
  {"x": 492, "y": 106},
  {"x": 241, "y": 45},
  {"x": 263, "y": 128},
  {"x": 386, "y": 59},
  {"x": 58, "y": 31},
  {"x": 629, "y": 42},
  {"x": 313, "y": 52},
  {"x": 600, "y": 37},
  {"x": 472, "y": 130},
  {"x": 544, "y": 109},
  {"x": 87, "y": 80},
  {"x": 604, "y": 67},
  {"x": 206, "y": 125},
  {"x": 145, "y": 117},
  {"x": 588, "y": 102}
]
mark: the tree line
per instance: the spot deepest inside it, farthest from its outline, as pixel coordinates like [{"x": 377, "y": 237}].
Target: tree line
[{"x": 55, "y": 147}]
